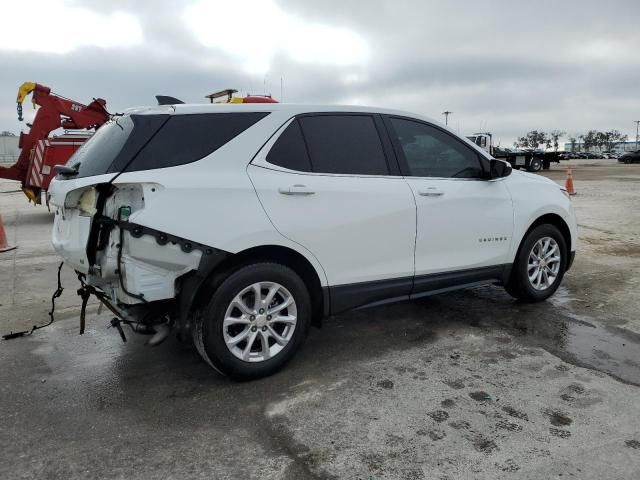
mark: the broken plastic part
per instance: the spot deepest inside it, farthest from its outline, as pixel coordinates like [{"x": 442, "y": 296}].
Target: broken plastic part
[{"x": 87, "y": 201}]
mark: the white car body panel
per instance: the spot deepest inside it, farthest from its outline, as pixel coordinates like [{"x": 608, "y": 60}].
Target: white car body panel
[
  {"x": 359, "y": 228},
  {"x": 534, "y": 196},
  {"x": 462, "y": 223},
  {"x": 353, "y": 229}
]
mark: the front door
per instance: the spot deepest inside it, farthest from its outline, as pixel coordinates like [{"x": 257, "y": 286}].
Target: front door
[{"x": 465, "y": 222}]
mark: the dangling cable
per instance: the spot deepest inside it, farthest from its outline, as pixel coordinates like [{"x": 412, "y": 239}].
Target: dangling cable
[{"x": 55, "y": 295}]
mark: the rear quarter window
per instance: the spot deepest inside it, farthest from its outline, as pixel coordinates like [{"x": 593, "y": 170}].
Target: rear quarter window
[
  {"x": 114, "y": 144},
  {"x": 187, "y": 138},
  {"x": 290, "y": 151}
]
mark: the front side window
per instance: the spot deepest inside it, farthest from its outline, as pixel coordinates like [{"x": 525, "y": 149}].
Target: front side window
[
  {"x": 430, "y": 152},
  {"x": 347, "y": 144}
]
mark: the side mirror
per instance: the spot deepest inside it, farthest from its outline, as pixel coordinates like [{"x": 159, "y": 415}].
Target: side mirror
[{"x": 499, "y": 169}]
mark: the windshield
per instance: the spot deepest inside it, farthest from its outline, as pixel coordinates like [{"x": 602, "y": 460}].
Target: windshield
[{"x": 112, "y": 146}]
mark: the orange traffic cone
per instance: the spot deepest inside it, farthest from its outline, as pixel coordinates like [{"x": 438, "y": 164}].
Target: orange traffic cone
[
  {"x": 568, "y": 185},
  {"x": 4, "y": 245}
]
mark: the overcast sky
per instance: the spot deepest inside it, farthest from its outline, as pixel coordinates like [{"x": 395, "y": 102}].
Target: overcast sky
[{"x": 505, "y": 66}]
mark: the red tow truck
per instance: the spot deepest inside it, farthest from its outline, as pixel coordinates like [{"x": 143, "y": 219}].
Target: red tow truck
[{"x": 39, "y": 153}]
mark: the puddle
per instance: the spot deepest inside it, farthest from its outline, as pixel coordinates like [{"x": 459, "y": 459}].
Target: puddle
[
  {"x": 578, "y": 339},
  {"x": 611, "y": 350}
]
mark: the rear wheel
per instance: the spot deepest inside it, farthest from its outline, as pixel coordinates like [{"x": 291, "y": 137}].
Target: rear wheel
[
  {"x": 255, "y": 321},
  {"x": 539, "y": 266},
  {"x": 535, "y": 165}
]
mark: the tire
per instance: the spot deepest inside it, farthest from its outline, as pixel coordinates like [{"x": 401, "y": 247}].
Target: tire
[
  {"x": 520, "y": 285},
  {"x": 217, "y": 340},
  {"x": 535, "y": 165}
]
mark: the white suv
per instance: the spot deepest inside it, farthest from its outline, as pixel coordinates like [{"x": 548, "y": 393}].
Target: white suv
[{"x": 238, "y": 226}]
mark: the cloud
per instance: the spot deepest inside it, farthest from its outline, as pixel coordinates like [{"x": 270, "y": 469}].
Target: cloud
[
  {"x": 508, "y": 67},
  {"x": 55, "y": 26},
  {"x": 260, "y": 29}
]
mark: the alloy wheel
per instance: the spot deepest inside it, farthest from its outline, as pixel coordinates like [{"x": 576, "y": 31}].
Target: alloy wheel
[
  {"x": 260, "y": 321},
  {"x": 543, "y": 265}
]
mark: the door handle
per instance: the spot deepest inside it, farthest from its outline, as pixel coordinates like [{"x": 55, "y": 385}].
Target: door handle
[
  {"x": 296, "y": 190},
  {"x": 431, "y": 192}
]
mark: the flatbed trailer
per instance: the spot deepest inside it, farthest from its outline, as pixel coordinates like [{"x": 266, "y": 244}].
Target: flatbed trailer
[{"x": 531, "y": 161}]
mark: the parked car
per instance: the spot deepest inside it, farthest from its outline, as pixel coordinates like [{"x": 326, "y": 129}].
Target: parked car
[
  {"x": 630, "y": 157},
  {"x": 239, "y": 226},
  {"x": 567, "y": 155}
]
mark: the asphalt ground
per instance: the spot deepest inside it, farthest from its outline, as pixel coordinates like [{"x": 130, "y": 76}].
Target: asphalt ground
[{"x": 469, "y": 384}]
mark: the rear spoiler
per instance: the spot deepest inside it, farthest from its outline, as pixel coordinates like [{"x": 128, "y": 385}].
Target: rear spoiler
[{"x": 166, "y": 100}]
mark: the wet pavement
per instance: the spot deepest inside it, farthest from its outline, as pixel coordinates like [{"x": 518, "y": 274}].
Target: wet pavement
[{"x": 470, "y": 384}]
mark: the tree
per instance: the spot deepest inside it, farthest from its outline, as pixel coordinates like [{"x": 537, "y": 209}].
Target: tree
[
  {"x": 553, "y": 139},
  {"x": 601, "y": 139},
  {"x": 622, "y": 139},
  {"x": 590, "y": 139},
  {"x": 612, "y": 138},
  {"x": 532, "y": 139},
  {"x": 573, "y": 140}
]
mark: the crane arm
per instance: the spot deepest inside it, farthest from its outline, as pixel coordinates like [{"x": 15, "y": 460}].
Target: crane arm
[
  {"x": 25, "y": 89},
  {"x": 54, "y": 112}
]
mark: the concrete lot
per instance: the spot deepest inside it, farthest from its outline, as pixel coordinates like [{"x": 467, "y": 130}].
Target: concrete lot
[{"x": 462, "y": 385}]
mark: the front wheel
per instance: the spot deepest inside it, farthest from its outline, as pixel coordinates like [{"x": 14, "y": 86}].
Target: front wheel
[
  {"x": 255, "y": 321},
  {"x": 539, "y": 265}
]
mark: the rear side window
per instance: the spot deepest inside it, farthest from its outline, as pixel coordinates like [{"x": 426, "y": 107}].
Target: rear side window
[
  {"x": 289, "y": 151},
  {"x": 187, "y": 138},
  {"x": 347, "y": 144}
]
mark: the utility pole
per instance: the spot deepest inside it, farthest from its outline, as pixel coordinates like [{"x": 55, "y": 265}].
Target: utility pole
[
  {"x": 446, "y": 116},
  {"x": 637, "y": 122}
]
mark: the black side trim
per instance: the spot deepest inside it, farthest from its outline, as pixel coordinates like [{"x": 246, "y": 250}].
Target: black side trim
[
  {"x": 439, "y": 281},
  {"x": 348, "y": 297},
  {"x": 366, "y": 294},
  {"x": 572, "y": 257},
  {"x": 326, "y": 302}
]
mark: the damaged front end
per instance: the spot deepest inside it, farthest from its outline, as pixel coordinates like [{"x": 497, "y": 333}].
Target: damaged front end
[{"x": 147, "y": 278}]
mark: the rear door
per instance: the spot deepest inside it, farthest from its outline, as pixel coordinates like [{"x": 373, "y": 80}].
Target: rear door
[{"x": 330, "y": 183}]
